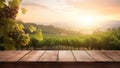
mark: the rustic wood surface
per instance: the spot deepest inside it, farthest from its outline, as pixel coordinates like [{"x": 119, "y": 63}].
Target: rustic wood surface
[
  {"x": 60, "y": 59},
  {"x": 61, "y": 55}
]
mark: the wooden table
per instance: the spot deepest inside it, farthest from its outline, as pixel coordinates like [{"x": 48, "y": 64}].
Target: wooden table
[{"x": 60, "y": 59}]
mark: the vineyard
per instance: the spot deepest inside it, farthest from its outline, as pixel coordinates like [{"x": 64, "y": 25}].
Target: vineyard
[
  {"x": 99, "y": 40},
  {"x": 18, "y": 36}
]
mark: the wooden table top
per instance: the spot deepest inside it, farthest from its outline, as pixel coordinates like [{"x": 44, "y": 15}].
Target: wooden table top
[{"x": 60, "y": 56}]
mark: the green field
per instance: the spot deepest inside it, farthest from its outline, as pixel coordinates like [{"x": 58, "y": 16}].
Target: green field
[{"x": 99, "y": 40}]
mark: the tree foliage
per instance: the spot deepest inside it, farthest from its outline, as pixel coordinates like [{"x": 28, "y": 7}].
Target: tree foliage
[{"x": 11, "y": 33}]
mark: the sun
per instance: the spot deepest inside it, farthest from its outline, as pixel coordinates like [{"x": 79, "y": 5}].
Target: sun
[{"x": 88, "y": 21}]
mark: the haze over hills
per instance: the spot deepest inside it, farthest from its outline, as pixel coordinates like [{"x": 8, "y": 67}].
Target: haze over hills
[
  {"x": 103, "y": 26},
  {"x": 50, "y": 29},
  {"x": 108, "y": 24},
  {"x": 64, "y": 28},
  {"x": 112, "y": 24}
]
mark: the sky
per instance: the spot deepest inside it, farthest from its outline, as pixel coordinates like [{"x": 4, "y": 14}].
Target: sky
[{"x": 75, "y": 14}]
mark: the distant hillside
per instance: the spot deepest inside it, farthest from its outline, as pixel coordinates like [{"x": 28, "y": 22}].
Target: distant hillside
[
  {"x": 49, "y": 29},
  {"x": 111, "y": 24}
]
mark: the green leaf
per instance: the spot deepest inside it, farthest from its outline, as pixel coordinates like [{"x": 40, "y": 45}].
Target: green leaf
[
  {"x": 2, "y": 3},
  {"x": 10, "y": 25},
  {"x": 23, "y": 10},
  {"x": 10, "y": 3},
  {"x": 21, "y": 27},
  {"x": 38, "y": 35},
  {"x": 17, "y": 2},
  {"x": 14, "y": 3},
  {"x": 31, "y": 28},
  {"x": 9, "y": 44}
]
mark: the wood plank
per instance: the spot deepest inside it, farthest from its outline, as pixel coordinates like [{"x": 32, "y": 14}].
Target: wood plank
[
  {"x": 5, "y": 53},
  {"x": 99, "y": 56},
  {"x": 82, "y": 56},
  {"x": 33, "y": 55},
  {"x": 15, "y": 56},
  {"x": 65, "y": 55},
  {"x": 115, "y": 55},
  {"x": 51, "y": 55}
]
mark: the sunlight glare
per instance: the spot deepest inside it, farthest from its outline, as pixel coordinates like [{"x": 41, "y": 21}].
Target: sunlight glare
[{"x": 88, "y": 21}]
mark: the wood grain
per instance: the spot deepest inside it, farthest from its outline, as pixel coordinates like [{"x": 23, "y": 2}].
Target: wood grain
[
  {"x": 115, "y": 55},
  {"x": 61, "y": 56},
  {"x": 99, "y": 56},
  {"x": 82, "y": 56},
  {"x": 32, "y": 56},
  {"x": 66, "y": 56},
  {"x": 49, "y": 56},
  {"x": 15, "y": 56},
  {"x": 5, "y": 53}
]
